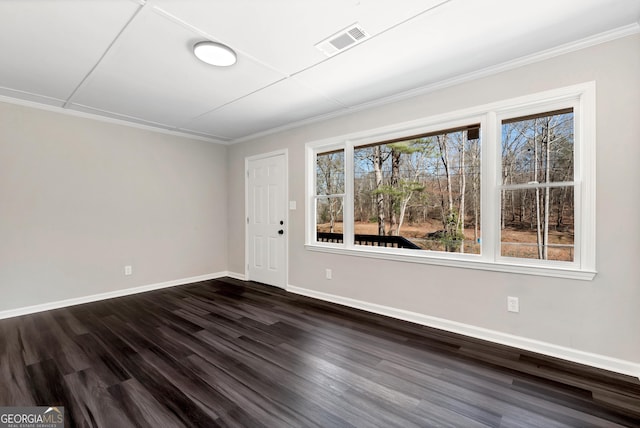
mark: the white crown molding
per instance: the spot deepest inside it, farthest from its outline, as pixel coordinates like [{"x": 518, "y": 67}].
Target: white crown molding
[
  {"x": 133, "y": 122},
  {"x": 10, "y": 313},
  {"x": 587, "y": 358},
  {"x": 540, "y": 56},
  {"x": 607, "y": 36},
  {"x": 128, "y": 122}
]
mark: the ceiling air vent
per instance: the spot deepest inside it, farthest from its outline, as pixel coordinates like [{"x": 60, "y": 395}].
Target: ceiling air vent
[{"x": 342, "y": 40}]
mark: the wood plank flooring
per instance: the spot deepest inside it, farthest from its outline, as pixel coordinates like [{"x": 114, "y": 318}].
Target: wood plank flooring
[{"x": 227, "y": 353}]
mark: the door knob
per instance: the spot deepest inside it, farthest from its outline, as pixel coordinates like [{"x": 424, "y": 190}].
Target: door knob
[
  {"x": 281, "y": 232},
  {"x": 281, "y": 222}
]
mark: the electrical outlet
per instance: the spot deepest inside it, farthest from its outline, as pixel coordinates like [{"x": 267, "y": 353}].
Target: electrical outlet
[
  {"x": 513, "y": 304},
  {"x": 128, "y": 270},
  {"x": 328, "y": 273}
]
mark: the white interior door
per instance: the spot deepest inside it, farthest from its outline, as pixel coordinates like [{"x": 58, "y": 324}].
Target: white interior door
[{"x": 266, "y": 220}]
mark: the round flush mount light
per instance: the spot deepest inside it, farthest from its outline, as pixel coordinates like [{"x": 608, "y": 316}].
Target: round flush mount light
[{"x": 214, "y": 53}]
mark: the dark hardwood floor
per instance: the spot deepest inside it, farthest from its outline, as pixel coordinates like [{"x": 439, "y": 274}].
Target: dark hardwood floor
[{"x": 231, "y": 353}]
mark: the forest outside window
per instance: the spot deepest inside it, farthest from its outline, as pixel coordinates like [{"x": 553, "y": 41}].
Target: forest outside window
[
  {"x": 329, "y": 195},
  {"x": 416, "y": 189},
  {"x": 508, "y": 186},
  {"x": 537, "y": 192}
]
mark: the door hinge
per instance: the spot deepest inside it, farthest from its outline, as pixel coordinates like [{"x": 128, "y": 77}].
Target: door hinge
[{"x": 247, "y": 220}]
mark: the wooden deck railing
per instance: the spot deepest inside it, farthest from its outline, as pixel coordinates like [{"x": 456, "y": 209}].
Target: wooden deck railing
[{"x": 371, "y": 240}]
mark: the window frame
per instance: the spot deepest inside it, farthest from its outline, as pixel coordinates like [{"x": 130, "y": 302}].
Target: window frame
[
  {"x": 316, "y": 196},
  {"x": 580, "y": 97},
  {"x": 531, "y": 109}
]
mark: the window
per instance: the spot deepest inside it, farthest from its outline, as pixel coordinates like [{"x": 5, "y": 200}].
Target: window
[
  {"x": 329, "y": 196},
  {"x": 537, "y": 191},
  {"x": 415, "y": 189},
  {"x": 508, "y": 186}
]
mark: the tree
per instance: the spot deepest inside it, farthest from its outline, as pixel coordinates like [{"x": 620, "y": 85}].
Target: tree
[
  {"x": 475, "y": 185},
  {"x": 452, "y": 237},
  {"x": 378, "y": 160},
  {"x": 400, "y": 190},
  {"x": 462, "y": 173}
]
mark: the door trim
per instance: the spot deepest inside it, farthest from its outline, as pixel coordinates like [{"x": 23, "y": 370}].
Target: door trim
[{"x": 285, "y": 153}]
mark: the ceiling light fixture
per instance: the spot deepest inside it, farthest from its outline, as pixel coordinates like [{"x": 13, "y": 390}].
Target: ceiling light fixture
[{"x": 214, "y": 53}]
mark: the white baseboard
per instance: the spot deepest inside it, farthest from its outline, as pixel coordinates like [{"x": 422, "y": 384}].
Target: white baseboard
[
  {"x": 582, "y": 357},
  {"x": 108, "y": 295},
  {"x": 575, "y": 355},
  {"x": 234, "y": 275}
]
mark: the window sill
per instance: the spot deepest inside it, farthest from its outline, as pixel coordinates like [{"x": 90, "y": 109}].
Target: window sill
[{"x": 466, "y": 263}]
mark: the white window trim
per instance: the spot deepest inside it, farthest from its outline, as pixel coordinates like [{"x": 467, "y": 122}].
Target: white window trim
[{"x": 581, "y": 97}]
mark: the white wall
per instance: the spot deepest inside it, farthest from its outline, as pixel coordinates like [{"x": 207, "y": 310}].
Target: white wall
[
  {"x": 600, "y": 316},
  {"x": 80, "y": 199}
]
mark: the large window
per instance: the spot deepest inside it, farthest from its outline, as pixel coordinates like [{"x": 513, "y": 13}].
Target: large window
[
  {"x": 425, "y": 190},
  {"x": 509, "y": 186}
]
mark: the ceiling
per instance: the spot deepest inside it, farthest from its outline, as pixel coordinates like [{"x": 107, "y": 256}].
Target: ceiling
[{"x": 132, "y": 60}]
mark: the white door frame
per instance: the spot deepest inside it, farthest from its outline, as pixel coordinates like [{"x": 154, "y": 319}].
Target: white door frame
[{"x": 285, "y": 153}]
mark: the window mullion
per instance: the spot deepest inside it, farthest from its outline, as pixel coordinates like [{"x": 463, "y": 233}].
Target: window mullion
[
  {"x": 489, "y": 192},
  {"x": 542, "y": 185},
  {"x": 348, "y": 217}
]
